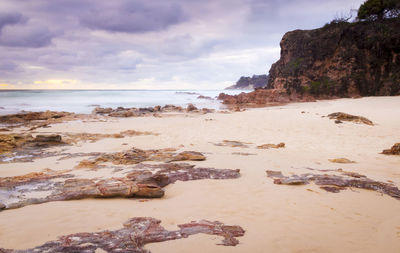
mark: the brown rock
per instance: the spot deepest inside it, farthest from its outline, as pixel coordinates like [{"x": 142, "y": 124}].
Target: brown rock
[
  {"x": 191, "y": 107},
  {"x": 341, "y": 160},
  {"x": 394, "y": 150},
  {"x": 268, "y": 146},
  {"x": 136, "y": 233},
  {"x": 341, "y": 116},
  {"x": 334, "y": 183}
]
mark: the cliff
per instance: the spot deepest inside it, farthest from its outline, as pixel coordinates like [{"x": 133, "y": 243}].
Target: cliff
[
  {"x": 340, "y": 59},
  {"x": 249, "y": 83}
]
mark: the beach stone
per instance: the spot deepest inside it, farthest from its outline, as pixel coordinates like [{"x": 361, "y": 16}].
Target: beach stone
[
  {"x": 191, "y": 107},
  {"x": 54, "y": 138},
  {"x": 268, "y": 146},
  {"x": 394, "y": 150},
  {"x": 341, "y": 116},
  {"x": 341, "y": 160}
]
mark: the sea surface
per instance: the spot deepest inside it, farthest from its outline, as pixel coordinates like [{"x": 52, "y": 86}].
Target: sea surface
[{"x": 83, "y": 101}]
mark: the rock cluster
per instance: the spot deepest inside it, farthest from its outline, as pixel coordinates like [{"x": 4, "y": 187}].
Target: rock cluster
[
  {"x": 140, "y": 112},
  {"x": 140, "y": 181},
  {"x": 263, "y": 97},
  {"x": 341, "y": 116},
  {"x": 334, "y": 183},
  {"x": 136, "y": 233},
  {"x": 268, "y": 146},
  {"x": 36, "y": 119}
]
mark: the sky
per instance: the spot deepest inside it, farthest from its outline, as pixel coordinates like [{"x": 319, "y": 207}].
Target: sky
[{"x": 148, "y": 44}]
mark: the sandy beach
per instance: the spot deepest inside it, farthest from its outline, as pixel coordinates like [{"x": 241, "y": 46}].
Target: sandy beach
[{"x": 276, "y": 218}]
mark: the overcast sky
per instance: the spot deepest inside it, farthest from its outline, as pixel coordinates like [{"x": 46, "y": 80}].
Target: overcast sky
[{"x": 148, "y": 44}]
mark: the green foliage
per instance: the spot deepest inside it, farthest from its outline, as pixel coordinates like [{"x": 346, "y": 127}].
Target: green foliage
[
  {"x": 379, "y": 9},
  {"x": 324, "y": 86}
]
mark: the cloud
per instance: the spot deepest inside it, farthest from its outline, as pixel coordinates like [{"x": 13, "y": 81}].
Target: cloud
[
  {"x": 10, "y": 19},
  {"x": 132, "y": 16}
]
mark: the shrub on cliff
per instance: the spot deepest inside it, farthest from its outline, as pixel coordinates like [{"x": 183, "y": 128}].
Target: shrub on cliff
[{"x": 379, "y": 9}]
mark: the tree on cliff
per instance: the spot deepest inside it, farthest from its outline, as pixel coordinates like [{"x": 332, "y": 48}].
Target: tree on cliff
[{"x": 379, "y": 9}]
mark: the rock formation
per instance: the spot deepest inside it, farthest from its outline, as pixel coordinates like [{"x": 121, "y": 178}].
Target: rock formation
[
  {"x": 140, "y": 181},
  {"x": 340, "y": 59},
  {"x": 341, "y": 116},
  {"x": 136, "y": 233},
  {"x": 394, "y": 150},
  {"x": 250, "y": 83},
  {"x": 334, "y": 183}
]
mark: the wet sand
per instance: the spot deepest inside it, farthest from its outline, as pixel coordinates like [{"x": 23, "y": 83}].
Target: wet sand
[{"x": 276, "y": 218}]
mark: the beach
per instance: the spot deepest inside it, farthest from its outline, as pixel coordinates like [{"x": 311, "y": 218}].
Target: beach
[{"x": 276, "y": 218}]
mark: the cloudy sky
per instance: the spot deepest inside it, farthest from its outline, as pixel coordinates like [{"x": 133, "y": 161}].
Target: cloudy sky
[{"x": 148, "y": 44}]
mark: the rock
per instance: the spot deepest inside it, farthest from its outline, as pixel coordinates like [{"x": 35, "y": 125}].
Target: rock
[
  {"x": 135, "y": 234},
  {"x": 341, "y": 160},
  {"x": 100, "y": 110},
  {"x": 334, "y": 183},
  {"x": 234, "y": 144},
  {"x": 205, "y": 97},
  {"x": 54, "y": 138},
  {"x": 268, "y": 146},
  {"x": 338, "y": 121},
  {"x": 27, "y": 117},
  {"x": 140, "y": 181},
  {"x": 249, "y": 83},
  {"x": 341, "y": 116},
  {"x": 340, "y": 60},
  {"x": 191, "y": 107},
  {"x": 2, "y": 206},
  {"x": 394, "y": 150}
]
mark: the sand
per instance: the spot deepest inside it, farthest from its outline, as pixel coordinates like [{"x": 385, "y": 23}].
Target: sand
[{"x": 276, "y": 218}]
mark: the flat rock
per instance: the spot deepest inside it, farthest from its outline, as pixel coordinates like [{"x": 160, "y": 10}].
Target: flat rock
[
  {"x": 394, "y": 150},
  {"x": 341, "y": 116},
  {"x": 341, "y": 160},
  {"x": 268, "y": 146},
  {"x": 335, "y": 183},
  {"x": 140, "y": 181},
  {"x": 135, "y": 234}
]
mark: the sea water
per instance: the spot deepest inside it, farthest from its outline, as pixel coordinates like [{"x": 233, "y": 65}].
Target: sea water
[{"x": 83, "y": 101}]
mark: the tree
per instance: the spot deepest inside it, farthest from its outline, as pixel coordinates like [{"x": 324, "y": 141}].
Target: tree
[{"x": 379, "y": 9}]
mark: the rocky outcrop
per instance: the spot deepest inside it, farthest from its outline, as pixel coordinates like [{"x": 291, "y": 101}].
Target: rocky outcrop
[
  {"x": 36, "y": 119},
  {"x": 136, "y": 233},
  {"x": 135, "y": 156},
  {"x": 250, "y": 83},
  {"x": 263, "y": 97},
  {"x": 140, "y": 181},
  {"x": 148, "y": 111},
  {"x": 340, "y": 59},
  {"x": 394, "y": 150},
  {"x": 26, "y": 143},
  {"x": 334, "y": 183},
  {"x": 341, "y": 116}
]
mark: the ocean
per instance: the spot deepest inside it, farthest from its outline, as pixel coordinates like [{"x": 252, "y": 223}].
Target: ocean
[{"x": 83, "y": 101}]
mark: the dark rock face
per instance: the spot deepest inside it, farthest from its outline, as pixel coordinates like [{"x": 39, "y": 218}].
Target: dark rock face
[
  {"x": 136, "y": 233},
  {"x": 249, "y": 83},
  {"x": 341, "y": 59},
  {"x": 335, "y": 183}
]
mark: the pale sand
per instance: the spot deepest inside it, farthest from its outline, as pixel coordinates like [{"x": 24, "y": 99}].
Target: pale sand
[{"x": 276, "y": 218}]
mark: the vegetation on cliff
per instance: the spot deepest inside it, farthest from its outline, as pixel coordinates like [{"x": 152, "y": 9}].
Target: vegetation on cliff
[{"x": 246, "y": 82}]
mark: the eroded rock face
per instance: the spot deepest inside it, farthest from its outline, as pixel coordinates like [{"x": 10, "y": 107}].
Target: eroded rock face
[
  {"x": 136, "y": 233},
  {"x": 335, "y": 183},
  {"x": 341, "y": 116},
  {"x": 394, "y": 150},
  {"x": 341, "y": 59},
  {"x": 140, "y": 181}
]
